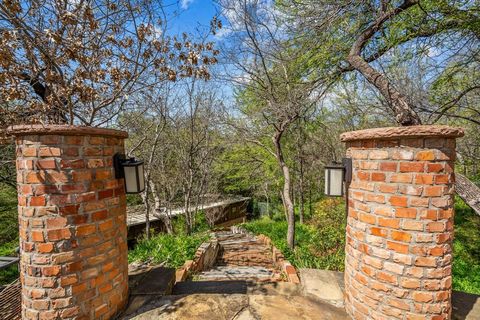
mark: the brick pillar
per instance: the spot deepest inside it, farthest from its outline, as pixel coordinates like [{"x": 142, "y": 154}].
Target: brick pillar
[
  {"x": 72, "y": 216},
  {"x": 400, "y": 222}
]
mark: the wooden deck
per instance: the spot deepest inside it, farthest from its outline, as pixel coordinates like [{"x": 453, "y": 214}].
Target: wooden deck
[{"x": 136, "y": 214}]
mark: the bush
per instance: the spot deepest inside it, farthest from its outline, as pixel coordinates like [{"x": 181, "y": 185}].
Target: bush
[{"x": 319, "y": 243}]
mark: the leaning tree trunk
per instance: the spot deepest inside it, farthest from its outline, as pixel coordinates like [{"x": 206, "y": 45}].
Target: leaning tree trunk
[
  {"x": 404, "y": 113},
  {"x": 287, "y": 201},
  {"x": 468, "y": 191}
]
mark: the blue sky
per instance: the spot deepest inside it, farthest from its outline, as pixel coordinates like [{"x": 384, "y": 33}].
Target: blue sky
[{"x": 192, "y": 14}]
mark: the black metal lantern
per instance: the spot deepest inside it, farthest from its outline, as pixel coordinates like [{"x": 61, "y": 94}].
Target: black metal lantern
[
  {"x": 335, "y": 176},
  {"x": 132, "y": 172}
]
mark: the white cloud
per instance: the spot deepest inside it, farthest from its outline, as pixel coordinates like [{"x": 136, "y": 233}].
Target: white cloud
[{"x": 186, "y": 3}]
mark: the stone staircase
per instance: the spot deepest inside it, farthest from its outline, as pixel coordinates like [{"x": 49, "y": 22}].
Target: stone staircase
[{"x": 241, "y": 257}]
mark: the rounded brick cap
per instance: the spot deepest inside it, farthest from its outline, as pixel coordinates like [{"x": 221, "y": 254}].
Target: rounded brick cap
[
  {"x": 402, "y": 132},
  {"x": 67, "y": 130}
]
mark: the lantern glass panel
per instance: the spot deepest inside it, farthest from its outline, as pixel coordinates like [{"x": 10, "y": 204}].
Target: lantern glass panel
[
  {"x": 130, "y": 179},
  {"x": 141, "y": 178},
  {"x": 334, "y": 181}
]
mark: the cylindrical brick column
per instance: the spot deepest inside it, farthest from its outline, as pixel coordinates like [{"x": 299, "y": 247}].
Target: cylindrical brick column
[
  {"x": 72, "y": 216},
  {"x": 400, "y": 222}
]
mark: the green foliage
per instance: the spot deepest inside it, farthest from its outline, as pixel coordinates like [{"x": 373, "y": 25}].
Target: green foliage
[
  {"x": 319, "y": 243},
  {"x": 8, "y": 230},
  {"x": 170, "y": 250},
  {"x": 8, "y": 221},
  {"x": 8, "y": 275},
  {"x": 466, "y": 249}
]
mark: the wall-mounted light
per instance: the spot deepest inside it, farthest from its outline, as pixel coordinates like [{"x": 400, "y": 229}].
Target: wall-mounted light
[
  {"x": 131, "y": 170},
  {"x": 335, "y": 176}
]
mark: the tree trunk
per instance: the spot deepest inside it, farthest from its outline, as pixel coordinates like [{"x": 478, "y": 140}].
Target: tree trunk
[
  {"x": 287, "y": 201},
  {"x": 301, "y": 191},
  {"x": 158, "y": 211},
  {"x": 146, "y": 203}
]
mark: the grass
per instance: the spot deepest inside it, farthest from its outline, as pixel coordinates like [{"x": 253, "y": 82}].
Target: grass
[
  {"x": 170, "y": 250},
  {"x": 8, "y": 231},
  {"x": 320, "y": 242},
  {"x": 466, "y": 249}
]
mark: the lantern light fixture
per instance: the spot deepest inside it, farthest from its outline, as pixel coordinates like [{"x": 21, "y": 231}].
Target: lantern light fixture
[
  {"x": 132, "y": 172},
  {"x": 335, "y": 176}
]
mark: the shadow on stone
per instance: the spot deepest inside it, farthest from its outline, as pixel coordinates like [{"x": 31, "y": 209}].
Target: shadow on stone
[
  {"x": 220, "y": 287},
  {"x": 465, "y": 306}
]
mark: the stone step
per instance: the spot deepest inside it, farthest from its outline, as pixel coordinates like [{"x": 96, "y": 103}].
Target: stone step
[
  {"x": 222, "y": 273},
  {"x": 237, "y": 287}
]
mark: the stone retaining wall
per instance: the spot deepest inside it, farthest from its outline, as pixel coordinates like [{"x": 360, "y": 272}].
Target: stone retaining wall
[
  {"x": 204, "y": 259},
  {"x": 278, "y": 257}
]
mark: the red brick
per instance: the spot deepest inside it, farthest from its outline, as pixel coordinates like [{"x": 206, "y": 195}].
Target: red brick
[
  {"x": 51, "y": 271},
  {"x": 401, "y": 236},
  {"x": 100, "y": 215},
  {"x": 410, "y": 283},
  {"x": 37, "y": 201},
  {"x": 367, "y": 218},
  {"x": 436, "y": 227},
  {"x": 398, "y": 201},
  {"x": 412, "y": 225},
  {"x": 54, "y": 223},
  {"x": 388, "y": 166},
  {"x": 435, "y": 167},
  {"x": 379, "y": 232},
  {"x": 49, "y": 152},
  {"x": 69, "y": 210},
  {"x": 401, "y": 178},
  {"x": 37, "y": 236},
  {"x": 81, "y": 176},
  {"x": 363, "y": 176},
  {"x": 71, "y": 152},
  {"x": 58, "y": 234},
  {"x": 426, "y": 261},
  {"x": 86, "y": 229},
  {"x": 397, "y": 247},
  {"x": 387, "y": 277},
  {"x": 378, "y": 154},
  {"x": 46, "y": 164},
  {"x": 422, "y": 296},
  {"x": 411, "y": 190},
  {"x": 75, "y": 140},
  {"x": 72, "y": 164},
  {"x": 406, "y": 213},
  {"x": 412, "y": 166},
  {"x": 387, "y": 188},
  {"x": 378, "y": 198},
  {"x": 45, "y": 247},
  {"x": 433, "y": 191},
  {"x": 389, "y": 223},
  {"x": 378, "y": 176},
  {"x": 425, "y": 155},
  {"x": 29, "y": 151},
  {"x": 95, "y": 163},
  {"x": 402, "y": 154}
]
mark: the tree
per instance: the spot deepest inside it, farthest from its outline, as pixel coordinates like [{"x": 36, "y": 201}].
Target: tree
[
  {"x": 275, "y": 88},
  {"x": 367, "y": 30},
  {"x": 79, "y": 61}
]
